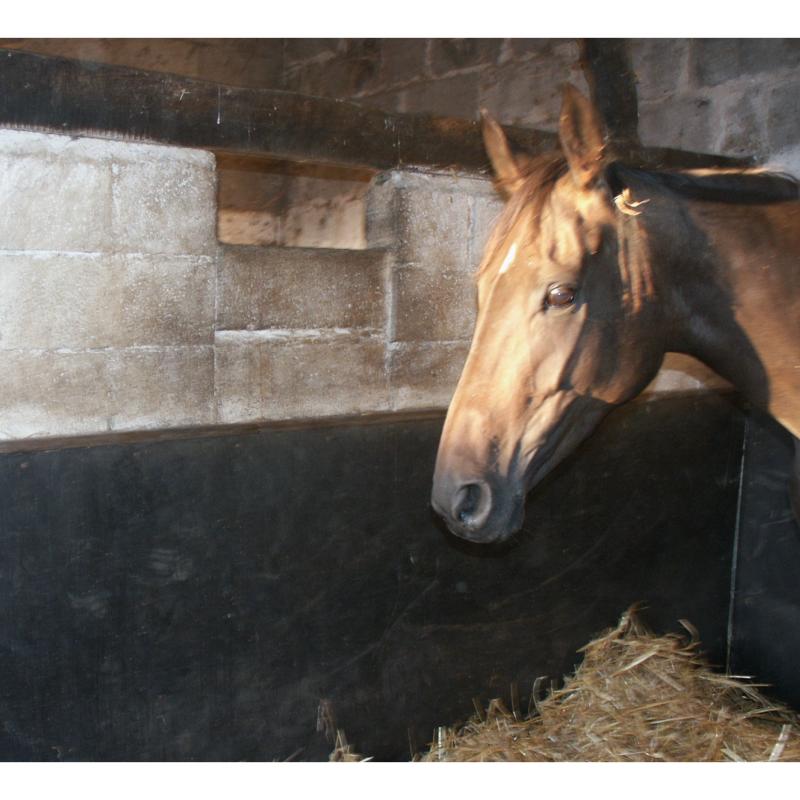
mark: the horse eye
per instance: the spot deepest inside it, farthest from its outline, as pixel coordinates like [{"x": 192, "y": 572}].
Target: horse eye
[{"x": 560, "y": 296}]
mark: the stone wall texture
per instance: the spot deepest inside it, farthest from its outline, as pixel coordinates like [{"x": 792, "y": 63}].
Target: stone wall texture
[
  {"x": 731, "y": 96},
  {"x": 121, "y": 310},
  {"x": 107, "y": 286},
  {"x": 735, "y": 96}
]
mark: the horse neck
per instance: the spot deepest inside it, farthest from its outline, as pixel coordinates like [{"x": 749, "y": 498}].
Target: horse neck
[{"x": 728, "y": 276}]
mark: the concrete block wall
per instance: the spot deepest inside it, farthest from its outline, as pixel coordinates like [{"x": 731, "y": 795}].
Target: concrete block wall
[
  {"x": 732, "y": 96},
  {"x": 121, "y": 311},
  {"x": 518, "y": 80},
  {"x": 434, "y": 228},
  {"x": 107, "y": 279},
  {"x": 300, "y": 333},
  {"x": 307, "y": 332}
]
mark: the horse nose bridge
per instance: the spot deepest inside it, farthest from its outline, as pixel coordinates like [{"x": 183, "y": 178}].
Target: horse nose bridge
[
  {"x": 498, "y": 384},
  {"x": 478, "y": 440}
]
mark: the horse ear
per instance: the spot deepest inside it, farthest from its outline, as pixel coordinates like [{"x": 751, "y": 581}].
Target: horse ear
[
  {"x": 582, "y": 137},
  {"x": 505, "y": 166}
]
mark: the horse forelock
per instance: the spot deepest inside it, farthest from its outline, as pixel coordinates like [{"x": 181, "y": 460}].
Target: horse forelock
[{"x": 539, "y": 177}]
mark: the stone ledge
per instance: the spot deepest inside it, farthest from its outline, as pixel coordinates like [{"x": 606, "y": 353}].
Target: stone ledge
[{"x": 86, "y": 148}]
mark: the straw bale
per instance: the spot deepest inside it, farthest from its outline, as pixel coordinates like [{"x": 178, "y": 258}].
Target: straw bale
[{"x": 635, "y": 697}]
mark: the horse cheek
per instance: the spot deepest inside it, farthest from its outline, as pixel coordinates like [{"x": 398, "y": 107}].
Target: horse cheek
[
  {"x": 579, "y": 359},
  {"x": 598, "y": 369}
]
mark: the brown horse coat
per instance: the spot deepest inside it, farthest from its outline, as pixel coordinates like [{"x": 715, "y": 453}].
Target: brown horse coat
[{"x": 595, "y": 270}]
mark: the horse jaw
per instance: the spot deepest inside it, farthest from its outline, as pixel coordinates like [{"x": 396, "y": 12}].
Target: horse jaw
[{"x": 480, "y": 492}]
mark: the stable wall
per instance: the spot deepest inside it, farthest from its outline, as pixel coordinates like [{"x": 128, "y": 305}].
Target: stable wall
[
  {"x": 107, "y": 282},
  {"x": 120, "y": 311},
  {"x": 181, "y": 599},
  {"x": 732, "y": 96},
  {"x": 729, "y": 96},
  {"x": 767, "y": 600},
  {"x": 238, "y": 597}
]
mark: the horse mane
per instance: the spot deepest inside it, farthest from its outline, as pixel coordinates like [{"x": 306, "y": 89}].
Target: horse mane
[
  {"x": 539, "y": 175},
  {"x": 745, "y": 186}
]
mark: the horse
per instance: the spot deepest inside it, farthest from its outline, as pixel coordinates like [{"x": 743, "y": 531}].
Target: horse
[{"x": 594, "y": 271}]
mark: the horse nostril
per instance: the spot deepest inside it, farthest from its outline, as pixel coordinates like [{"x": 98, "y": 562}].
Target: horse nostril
[
  {"x": 468, "y": 500},
  {"x": 472, "y": 504}
]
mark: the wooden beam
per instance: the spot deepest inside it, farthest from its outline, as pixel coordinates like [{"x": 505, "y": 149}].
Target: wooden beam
[
  {"x": 612, "y": 83},
  {"x": 81, "y": 98},
  {"x": 86, "y": 99}
]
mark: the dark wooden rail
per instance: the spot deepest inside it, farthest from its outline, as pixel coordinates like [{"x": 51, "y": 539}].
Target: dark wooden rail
[
  {"x": 83, "y": 98},
  {"x": 612, "y": 82}
]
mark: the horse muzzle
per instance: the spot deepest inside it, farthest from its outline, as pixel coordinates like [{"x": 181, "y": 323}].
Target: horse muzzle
[{"x": 477, "y": 509}]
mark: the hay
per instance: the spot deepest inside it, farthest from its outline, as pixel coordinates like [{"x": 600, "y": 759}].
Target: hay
[
  {"x": 342, "y": 751},
  {"x": 635, "y": 697}
]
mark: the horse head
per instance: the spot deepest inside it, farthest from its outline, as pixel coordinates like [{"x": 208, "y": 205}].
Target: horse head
[{"x": 568, "y": 326}]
